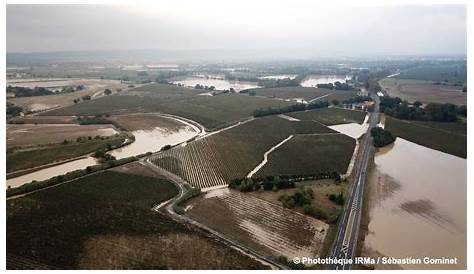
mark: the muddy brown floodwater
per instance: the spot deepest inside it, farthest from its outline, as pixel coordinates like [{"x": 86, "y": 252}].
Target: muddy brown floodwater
[
  {"x": 417, "y": 205},
  {"x": 145, "y": 141},
  {"x": 153, "y": 140}
]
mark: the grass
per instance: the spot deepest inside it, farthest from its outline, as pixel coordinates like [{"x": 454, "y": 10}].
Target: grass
[
  {"x": 331, "y": 116},
  {"x": 446, "y": 137},
  {"x": 310, "y": 154},
  {"x": 105, "y": 221},
  {"x": 24, "y": 159},
  {"x": 232, "y": 153},
  {"x": 211, "y": 111}
]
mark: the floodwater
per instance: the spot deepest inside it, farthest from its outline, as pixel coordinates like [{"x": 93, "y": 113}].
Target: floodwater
[
  {"x": 219, "y": 84},
  {"x": 314, "y": 80},
  {"x": 145, "y": 141},
  {"x": 353, "y": 130},
  {"x": 50, "y": 172},
  {"x": 279, "y": 77},
  {"x": 418, "y": 205},
  {"x": 153, "y": 140}
]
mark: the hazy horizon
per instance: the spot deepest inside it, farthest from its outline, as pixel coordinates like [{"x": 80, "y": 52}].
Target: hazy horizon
[{"x": 306, "y": 30}]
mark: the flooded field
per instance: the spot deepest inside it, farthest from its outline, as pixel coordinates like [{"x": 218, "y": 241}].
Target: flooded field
[
  {"x": 219, "y": 84},
  {"x": 417, "y": 205},
  {"x": 49, "y": 172},
  {"x": 145, "y": 141},
  {"x": 31, "y": 134},
  {"x": 314, "y": 80},
  {"x": 153, "y": 140},
  {"x": 258, "y": 224},
  {"x": 279, "y": 76},
  {"x": 91, "y": 87},
  {"x": 353, "y": 130}
]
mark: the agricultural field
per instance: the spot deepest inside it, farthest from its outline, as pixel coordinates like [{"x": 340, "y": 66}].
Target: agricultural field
[
  {"x": 211, "y": 111},
  {"x": 321, "y": 191},
  {"x": 145, "y": 121},
  {"x": 446, "y": 137},
  {"x": 19, "y": 135},
  {"x": 105, "y": 221},
  {"x": 305, "y": 93},
  {"x": 35, "y": 119},
  {"x": 92, "y": 87},
  {"x": 310, "y": 154},
  {"x": 450, "y": 73},
  {"x": 424, "y": 91},
  {"x": 20, "y": 159},
  {"x": 233, "y": 153},
  {"x": 265, "y": 227},
  {"x": 331, "y": 116}
]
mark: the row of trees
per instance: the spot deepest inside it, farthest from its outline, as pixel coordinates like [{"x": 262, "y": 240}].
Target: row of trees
[
  {"x": 267, "y": 183},
  {"x": 275, "y": 83},
  {"x": 336, "y": 86},
  {"x": 291, "y": 108},
  {"x": 397, "y": 108},
  {"x": 29, "y": 92},
  {"x": 13, "y": 110}
]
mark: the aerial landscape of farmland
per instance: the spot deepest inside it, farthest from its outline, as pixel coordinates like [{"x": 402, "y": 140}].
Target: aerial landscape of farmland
[{"x": 315, "y": 153}]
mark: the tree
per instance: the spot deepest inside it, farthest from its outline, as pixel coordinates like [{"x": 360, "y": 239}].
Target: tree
[
  {"x": 417, "y": 104},
  {"x": 107, "y": 92},
  {"x": 335, "y": 102}
]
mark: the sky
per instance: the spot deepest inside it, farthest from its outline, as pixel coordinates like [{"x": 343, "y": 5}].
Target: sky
[{"x": 286, "y": 27}]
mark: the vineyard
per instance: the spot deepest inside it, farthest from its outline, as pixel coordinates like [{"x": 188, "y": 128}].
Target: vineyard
[
  {"x": 258, "y": 224},
  {"x": 231, "y": 154},
  {"x": 331, "y": 116},
  {"x": 310, "y": 154}
]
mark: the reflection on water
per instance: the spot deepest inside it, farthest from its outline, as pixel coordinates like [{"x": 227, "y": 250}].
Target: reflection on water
[
  {"x": 418, "y": 205},
  {"x": 314, "y": 80},
  {"x": 219, "y": 84},
  {"x": 153, "y": 140},
  {"x": 47, "y": 173}
]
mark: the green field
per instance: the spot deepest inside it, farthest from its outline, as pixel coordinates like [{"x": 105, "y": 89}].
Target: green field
[
  {"x": 29, "y": 158},
  {"x": 233, "y": 153},
  {"x": 105, "y": 221},
  {"x": 331, "y": 116},
  {"x": 211, "y": 111},
  {"x": 446, "y": 137},
  {"x": 310, "y": 154}
]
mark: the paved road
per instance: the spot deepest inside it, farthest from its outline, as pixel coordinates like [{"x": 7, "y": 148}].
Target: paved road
[{"x": 347, "y": 235}]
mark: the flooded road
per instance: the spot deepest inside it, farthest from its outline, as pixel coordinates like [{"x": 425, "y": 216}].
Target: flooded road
[
  {"x": 219, "y": 84},
  {"x": 314, "y": 80},
  {"x": 417, "y": 205}
]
